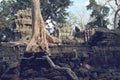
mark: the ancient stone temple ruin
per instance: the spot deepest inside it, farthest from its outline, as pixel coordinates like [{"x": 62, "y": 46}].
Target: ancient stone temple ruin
[
  {"x": 66, "y": 32},
  {"x": 23, "y": 22}
]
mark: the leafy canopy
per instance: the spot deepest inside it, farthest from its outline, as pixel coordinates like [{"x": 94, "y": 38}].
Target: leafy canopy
[
  {"x": 54, "y": 10},
  {"x": 99, "y": 14}
]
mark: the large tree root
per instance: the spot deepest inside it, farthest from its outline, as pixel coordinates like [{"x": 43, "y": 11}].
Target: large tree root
[
  {"x": 70, "y": 73},
  {"x": 66, "y": 71}
]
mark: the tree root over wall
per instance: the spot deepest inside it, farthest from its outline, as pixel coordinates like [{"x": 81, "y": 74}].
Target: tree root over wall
[{"x": 40, "y": 60}]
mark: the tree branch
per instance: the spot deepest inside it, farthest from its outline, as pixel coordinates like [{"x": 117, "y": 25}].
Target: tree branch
[
  {"x": 116, "y": 2},
  {"x": 115, "y": 18}
]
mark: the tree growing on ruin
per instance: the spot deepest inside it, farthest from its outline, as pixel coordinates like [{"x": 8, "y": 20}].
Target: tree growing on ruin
[
  {"x": 54, "y": 10},
  {"x": 40, "y": 36}
]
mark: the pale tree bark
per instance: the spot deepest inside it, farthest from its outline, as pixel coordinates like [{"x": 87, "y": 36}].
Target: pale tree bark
[
  {"x": 116, "y": 14},
  {"x": 115, "y": 18},
  {"x": 40, "y": 36}
]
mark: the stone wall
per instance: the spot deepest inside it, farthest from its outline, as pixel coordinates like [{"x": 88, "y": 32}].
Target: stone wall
[
  {"x": 23, "y": 23},
  {"x": 100, "y": 42},
  {"x": 97, "y": 60},
  {"x": 66, "y": 32}
]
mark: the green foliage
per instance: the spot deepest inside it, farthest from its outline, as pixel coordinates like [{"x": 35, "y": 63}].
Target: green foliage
[
  {"x": 6, "y": 34},
  {"x": 54, "y": 10},
  {"x": 92, "y": 3},
  {"x": 23, "y": 4},
  {"x": 6, "y": 14},
  {"x": 98, "y": 15}
]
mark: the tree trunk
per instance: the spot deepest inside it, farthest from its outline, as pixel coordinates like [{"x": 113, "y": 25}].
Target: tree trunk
[
  {"x": 115, "y": 18},
  {"x": 40, "y": 36}
]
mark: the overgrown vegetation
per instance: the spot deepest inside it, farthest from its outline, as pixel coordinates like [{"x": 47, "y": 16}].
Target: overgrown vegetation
[
  {"x": 53, "y": 10},
  {"x": 99, "y": 14}
]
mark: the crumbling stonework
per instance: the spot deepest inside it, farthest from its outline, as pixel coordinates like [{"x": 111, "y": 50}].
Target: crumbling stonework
[
  {"x": 23, "y": 23},
  {"x": 66, "y": 32},
  {"x": 23, "y": 19},
  {"x": 97, "y": 60}
]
